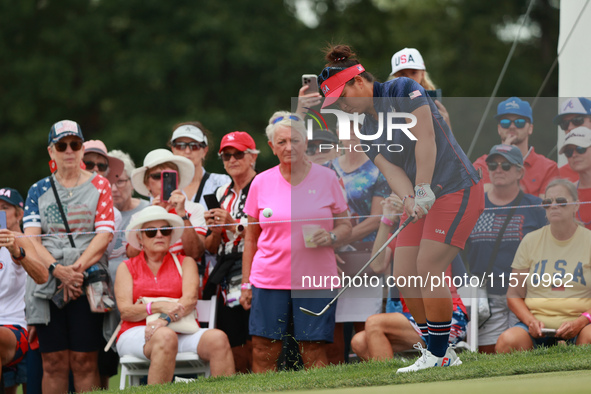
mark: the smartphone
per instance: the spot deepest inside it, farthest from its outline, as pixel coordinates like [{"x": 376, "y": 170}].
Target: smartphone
[
  {"x": 549, "y": 332},
  {"x": 211, "y": 201},
  {"x": 310, "y": 80},
  {"x": 2, "y": 219},
  {"x": 169, "y": 179}
]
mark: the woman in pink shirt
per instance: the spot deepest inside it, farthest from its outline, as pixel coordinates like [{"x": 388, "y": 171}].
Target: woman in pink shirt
[{"x": 276, "y": 260}]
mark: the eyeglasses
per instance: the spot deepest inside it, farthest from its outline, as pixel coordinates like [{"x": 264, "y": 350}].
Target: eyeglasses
[
  {"x": 192, "y": 145},
  {"x": 325, "y": 74},
  {"x": 506, "y": 123},
  {"x": 62, "y": 146},
  {"x": 228, "y": 156},
  {"x": 312, "y": 149},
  {"x": 561, "y": 201},
  {"x": 576, "y": 121},
  {"x": 156, "y": 176},
  {"x": 151, "y": 232},
  {"x": 102, "y": 167},
  {"x": 121, "y": 182},
  {"x": 280, "y": 118},
  {"x": 493, "y": 165},
  {"x": 568, "y": 152}
]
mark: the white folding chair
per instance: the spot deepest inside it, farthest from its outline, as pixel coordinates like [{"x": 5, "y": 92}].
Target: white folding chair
[
  {"x": 186, "y": 363},
  {"x": 469, "y": 296}
]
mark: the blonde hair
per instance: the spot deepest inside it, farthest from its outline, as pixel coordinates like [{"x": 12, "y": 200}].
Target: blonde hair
[
  {"x": 568, "y": 185},
  {"x": 288, "y": 119},
  {"x": 426, "y": 83}
]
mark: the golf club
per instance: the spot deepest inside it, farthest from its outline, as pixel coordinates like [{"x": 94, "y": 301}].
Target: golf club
[{"x": 436, "y": 191}]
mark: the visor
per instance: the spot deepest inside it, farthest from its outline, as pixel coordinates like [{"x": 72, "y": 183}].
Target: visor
[{"x": 332, "y": 87}]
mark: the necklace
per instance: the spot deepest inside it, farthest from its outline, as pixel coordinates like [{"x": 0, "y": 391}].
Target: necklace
[{"x": 73, "y": 187}]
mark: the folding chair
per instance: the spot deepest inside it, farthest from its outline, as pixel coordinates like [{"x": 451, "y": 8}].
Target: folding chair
[
  {"x": 186, "y": 363},
  {"x": 469, "y": 297}
]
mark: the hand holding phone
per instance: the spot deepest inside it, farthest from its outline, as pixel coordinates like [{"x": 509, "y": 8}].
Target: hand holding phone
[
  {"x": 311, "y": 81},
  {"x": 169, "y": 179},
  {"x": 549, "y": 332},
  {"x": 211, "y": 201}
]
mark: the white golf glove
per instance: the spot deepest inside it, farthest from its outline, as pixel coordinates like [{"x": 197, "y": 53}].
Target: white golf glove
[{"x": 424, "y": 197}]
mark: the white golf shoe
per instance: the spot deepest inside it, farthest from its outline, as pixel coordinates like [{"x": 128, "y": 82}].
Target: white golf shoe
[{"x": 428, "y": 360}]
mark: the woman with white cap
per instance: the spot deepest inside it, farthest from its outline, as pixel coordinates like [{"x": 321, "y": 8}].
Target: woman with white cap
[
  {"x": 146, "y": 180},
  {"x": 154, "y": 273},
  {"x": 189, "y": 139},
  {"x": 409, "y": 63}
]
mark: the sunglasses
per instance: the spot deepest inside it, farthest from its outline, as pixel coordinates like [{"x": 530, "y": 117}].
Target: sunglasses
[
  {"x": 151, "y": 232},
  {"x": 156, "y": 176},
  {"x": 312, "y": 149},
  {"x": 280, "y": 118},
  {"x": 228, "y": 156},
  {"x": 561, "y": 201},
  {"x": 506, "y": 123},
  {"x": 325, "y": 74},
  {"x": 568, "y": 152},
  {"x": 576, "y": 121},
  {"x": 100, "y": 166},
  {"x": 493, "y": 165},
  {"x": 62, "y": 146},
  {"x": 192, "y": 145}
]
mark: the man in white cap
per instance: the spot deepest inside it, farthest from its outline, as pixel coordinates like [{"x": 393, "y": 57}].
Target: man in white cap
[
  {"x": 574, "y": 112},
  {"x": 576, "y": 149}
]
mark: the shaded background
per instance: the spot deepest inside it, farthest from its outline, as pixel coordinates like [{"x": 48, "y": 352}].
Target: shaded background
[{"x": 127, "y": 71}]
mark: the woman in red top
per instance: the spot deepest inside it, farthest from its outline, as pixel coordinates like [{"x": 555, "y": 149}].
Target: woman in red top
[{"x": 153, "y": 273}]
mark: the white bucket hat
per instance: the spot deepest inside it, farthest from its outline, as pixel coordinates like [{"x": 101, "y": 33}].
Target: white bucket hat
[
  {"x": 157, "y": 157},
  {"x": 150, "y": 214}
]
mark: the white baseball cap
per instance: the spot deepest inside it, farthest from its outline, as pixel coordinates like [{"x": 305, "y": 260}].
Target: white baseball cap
[
  {"x": 581, "y": 136},
  {"x": 190, "y": 131},
  {"x": 407, "y": 58}
]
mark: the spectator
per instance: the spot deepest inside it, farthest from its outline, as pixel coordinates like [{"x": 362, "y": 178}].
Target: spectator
[
  {"x": 69, "y": 338},
  {"x": 505, "y": 167},
  {"x": 574, "y": 112},
  {"x": 560, "y": 252},
  {"x": 323, "y": 147},
  {"x": 97, "y": 160},
  {"x": 146, "y": 180},
  {"x": 409, "y": 63},
  {"x": 387, "y": 333},
  {"x": 238, "y": 153},
  {"x": 515, "y": 125},
  {"x": 430, "y": 244},
  {"x": 189, "y": 139},
  {"x": 365, "y": 189},
  {"x": 576, "y": 149},
  {"x": 18, "y": 258},
  {"x": 154, "y": 273},
  {"x": 275, "y": 258}
]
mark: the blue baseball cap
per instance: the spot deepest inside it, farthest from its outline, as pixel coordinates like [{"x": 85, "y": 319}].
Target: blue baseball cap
[
  {"x": 509, "y": 152},
  {"x": 12, "y": 196},
  {"x": 575, "y": 105},
  {"x": 515, "y": 106},
  {"x": 62, "y": 129}
]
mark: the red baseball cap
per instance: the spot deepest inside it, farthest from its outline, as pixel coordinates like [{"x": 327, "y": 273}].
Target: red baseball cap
[
  {"x": 240, "y": 140},
  {"x": 332, "y": 87}
]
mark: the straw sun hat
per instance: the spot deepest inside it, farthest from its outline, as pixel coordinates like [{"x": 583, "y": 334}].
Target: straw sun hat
[
  {"x": 157, "y": 157},
  {"x": 150, "y": 214}
]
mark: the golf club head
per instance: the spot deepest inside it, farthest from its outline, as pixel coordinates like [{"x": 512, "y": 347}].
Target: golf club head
[{"x": 309, "y": 312}]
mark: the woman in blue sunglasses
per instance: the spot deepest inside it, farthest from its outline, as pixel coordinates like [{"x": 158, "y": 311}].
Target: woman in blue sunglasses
[{"x": 412, "y": 158}]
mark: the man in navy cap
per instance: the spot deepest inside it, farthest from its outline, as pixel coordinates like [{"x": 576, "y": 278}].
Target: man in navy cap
[
  {"x": 574, "y": 112},
  {"x": 515, "y": 125}
]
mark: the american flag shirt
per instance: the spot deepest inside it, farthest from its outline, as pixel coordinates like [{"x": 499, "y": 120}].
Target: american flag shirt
[{"x": 89, "y": 209}]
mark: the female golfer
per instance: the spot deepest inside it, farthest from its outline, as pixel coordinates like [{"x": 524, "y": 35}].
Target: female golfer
[{"x": 427, "y": 246}]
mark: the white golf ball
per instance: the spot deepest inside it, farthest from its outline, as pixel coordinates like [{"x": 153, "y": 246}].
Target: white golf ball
[{"x": 267, "y": 212}]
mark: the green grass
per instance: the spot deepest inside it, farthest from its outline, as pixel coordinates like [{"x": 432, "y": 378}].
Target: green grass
[{"x": 555, "y": 359}]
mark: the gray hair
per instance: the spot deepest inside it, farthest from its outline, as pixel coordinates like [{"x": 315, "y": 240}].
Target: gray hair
[
  {"x": 129, "y": 166},
  {"x": 286, "y": 121},
  {"x": 568, "y": 185}
]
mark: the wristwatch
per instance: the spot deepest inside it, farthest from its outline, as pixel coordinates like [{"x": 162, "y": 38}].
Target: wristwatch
[
  {"x": 22, "y": 256},
  {"x": 164, "y": 316},
  {"x": 333, "y": 237},
  {"x": 52, "y": 268}
]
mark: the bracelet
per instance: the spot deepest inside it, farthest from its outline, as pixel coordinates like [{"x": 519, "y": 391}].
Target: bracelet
[
  {"x": 587, "y": 315},
  {"x": 149, "y": 308},
  {"x": 164, "y": 316},
  {"x": 245, "y": 286},
  {"x": 386, "y": 221},
  {"x": 405, "y": 197}
]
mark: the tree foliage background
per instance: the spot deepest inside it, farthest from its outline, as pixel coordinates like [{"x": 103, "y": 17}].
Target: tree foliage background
[{"x": 127, "y": 71}]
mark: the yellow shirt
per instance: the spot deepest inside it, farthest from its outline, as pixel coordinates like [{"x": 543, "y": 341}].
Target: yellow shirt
[{"x": 559, "y": 280}]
